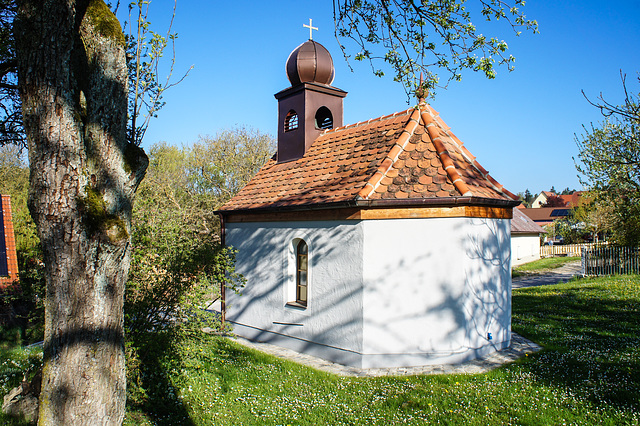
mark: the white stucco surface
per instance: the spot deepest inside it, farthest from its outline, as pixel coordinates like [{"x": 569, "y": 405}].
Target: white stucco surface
[
  {"x": 331, "y": 325},
  {"x": 524, "y": 248},
  {"x": 382, "y": 293},
  {"x": 434, "y": 290}
]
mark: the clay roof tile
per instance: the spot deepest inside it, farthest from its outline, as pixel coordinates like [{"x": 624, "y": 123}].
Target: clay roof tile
[{"x": 408, "y": 154}]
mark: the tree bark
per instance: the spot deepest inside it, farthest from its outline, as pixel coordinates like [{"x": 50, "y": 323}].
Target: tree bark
[{"x": 72, "y": 77}]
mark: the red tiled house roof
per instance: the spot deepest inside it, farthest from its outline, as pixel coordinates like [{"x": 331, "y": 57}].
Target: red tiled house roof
[
  {"x": 572, "y": 200},
  {"x": 410, "y": 157},
  {"x": 9, "y": 244}
]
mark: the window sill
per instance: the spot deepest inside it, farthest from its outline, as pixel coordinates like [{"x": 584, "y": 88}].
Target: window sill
[{"x": 296, "y": 305}]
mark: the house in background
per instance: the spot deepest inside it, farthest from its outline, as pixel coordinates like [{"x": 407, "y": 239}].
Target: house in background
[
  {"x": 546, "y": 215},
  {"x": 570, "y": 200},
  {"x": 8, "y": 256},
  {"x": 377, "y": 244},
  {"x": 541, "y": 199},
  {"x": 525, "y": 238}
]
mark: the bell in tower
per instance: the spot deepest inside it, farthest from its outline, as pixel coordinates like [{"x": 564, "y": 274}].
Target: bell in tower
[{"x": 311, "y": 105}]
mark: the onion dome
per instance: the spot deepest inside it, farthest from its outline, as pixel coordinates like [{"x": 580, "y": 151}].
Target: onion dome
[{"x": 310, "y": 62}]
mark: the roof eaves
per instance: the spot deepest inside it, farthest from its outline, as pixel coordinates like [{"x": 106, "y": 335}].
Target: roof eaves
[{"x": 404, "y": 202}]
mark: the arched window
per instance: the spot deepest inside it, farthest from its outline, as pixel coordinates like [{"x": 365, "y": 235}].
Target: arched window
[
  {"x": 302, "y": 264},
  {"x": 291, "y": 121},
  {"x": 324, "y": 118}
]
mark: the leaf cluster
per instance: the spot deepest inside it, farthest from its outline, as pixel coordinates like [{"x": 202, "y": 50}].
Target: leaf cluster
[
  {"x": 145, "y": 52},
  {"x": 425, "y": 36}
]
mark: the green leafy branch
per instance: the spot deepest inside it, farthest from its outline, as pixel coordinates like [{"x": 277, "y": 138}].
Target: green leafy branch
[
  {"x": 145, "y": 50},
  {"x": 426, "y": 36}
]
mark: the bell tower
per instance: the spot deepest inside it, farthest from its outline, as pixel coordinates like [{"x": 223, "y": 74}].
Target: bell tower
[{"x": 311, "y": 105}]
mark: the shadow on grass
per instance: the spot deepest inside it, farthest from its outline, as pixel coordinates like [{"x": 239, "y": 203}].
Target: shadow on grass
[
  {"x": 591, "y": 337},
  {"x": 151, "y": 393}
]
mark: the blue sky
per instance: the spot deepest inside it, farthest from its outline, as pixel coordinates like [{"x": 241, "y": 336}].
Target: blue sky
[{"x": 520, "y": 126}]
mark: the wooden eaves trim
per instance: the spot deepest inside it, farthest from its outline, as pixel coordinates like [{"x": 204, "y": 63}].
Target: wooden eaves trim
[{"x": 358, "y": 213}]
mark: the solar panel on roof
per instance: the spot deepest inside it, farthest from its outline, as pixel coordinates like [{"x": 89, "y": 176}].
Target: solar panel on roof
[
  {"x": 560, "y": 213},
  {"x": 4, "y": 267}
]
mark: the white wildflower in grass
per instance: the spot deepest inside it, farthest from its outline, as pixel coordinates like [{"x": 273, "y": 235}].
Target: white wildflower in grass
[{"x": 588, "y": 373}]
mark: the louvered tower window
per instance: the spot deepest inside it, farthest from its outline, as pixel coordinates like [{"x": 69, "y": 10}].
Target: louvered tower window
[{"x": 291, "y": 121}]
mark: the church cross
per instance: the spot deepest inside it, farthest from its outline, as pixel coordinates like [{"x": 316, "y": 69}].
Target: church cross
[{"x": 311, "y": 28}]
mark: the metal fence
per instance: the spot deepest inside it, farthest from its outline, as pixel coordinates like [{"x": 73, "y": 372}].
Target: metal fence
[{"x": 610, "y": 260}]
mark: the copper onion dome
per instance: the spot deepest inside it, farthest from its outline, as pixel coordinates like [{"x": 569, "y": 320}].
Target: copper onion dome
[{"x": 310, "y": 63}]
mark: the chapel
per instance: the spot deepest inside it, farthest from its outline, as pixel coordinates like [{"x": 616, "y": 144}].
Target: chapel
[{"x": 382, "y": 243}]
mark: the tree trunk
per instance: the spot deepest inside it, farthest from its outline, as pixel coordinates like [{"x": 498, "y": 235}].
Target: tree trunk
[{"x": 73, "y": 83}]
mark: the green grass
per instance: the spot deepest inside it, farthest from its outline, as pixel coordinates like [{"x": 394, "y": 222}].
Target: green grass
[
  {"x": 15, "y": 361},
  {"x": 589, "y": 373},
  {"x": 542, "y": 266}
]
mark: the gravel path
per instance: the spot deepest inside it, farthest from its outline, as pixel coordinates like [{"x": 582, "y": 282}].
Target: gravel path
[{"x": 559, "y": 275}]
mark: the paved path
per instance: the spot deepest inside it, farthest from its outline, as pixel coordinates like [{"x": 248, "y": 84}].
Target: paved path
[
  {"x": 563, "y": 274},
  {"x": 519, "y": 345}
]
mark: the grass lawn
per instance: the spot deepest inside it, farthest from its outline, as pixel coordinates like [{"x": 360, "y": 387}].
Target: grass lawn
[
  {"x": 542, "y": 266},
  {"x": 589, "y": 373}
]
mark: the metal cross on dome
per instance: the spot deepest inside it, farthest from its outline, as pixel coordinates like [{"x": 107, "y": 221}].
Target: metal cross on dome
[{"x": 311, "y": 28}]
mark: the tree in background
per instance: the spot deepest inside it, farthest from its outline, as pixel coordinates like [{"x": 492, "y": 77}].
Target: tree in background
[
  {"x": 14, "y": 181},
  {"x": 176, "y": 233},
  {"x": 526, "y": 198},
  {"x": 572, "y": 228},
  {"x": 554, "y": 201},
  {"x": 600, "y": 217},
  {"x": 11, "y": 128},
  {"x": 567, "y": 191},
  {"x": 178, "y": 262},
  {"x": 27, "y": 300},
  {"x": 610, "y": 165},
  {"x": 145, "y": 53},
  {"x": 419, "y": 36},
  {"x": 221, "y": 165}
]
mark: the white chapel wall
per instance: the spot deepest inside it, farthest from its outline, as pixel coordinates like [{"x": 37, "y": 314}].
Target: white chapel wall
[
  {"x": 331, "y": 325},
  {"x": 434, "y": 289}
]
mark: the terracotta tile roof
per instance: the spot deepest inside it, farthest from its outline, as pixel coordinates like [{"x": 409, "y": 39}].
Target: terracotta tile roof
[
  {"x": 522, "y": 224},
  {"x": 408, "y": 155},
  {"x": 9, "y": 243},
  {"x": 572, "y": 200}
]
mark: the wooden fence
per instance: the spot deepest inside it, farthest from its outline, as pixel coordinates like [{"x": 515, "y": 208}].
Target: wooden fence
[
  {"x": 610, "y": 260},
  {"x": 565, "y": 249}
]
